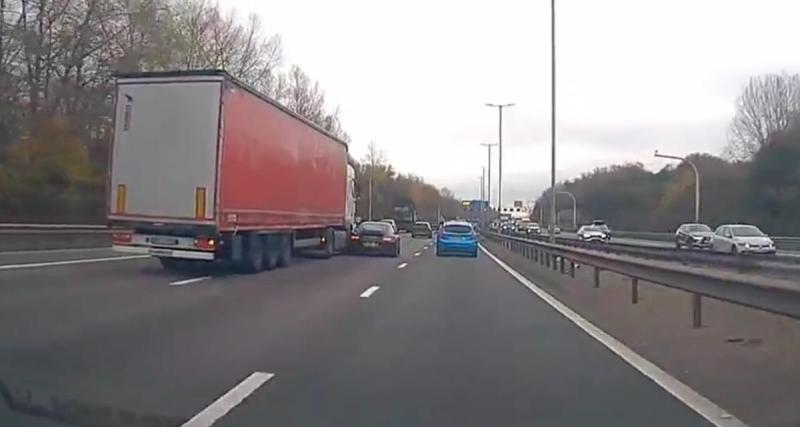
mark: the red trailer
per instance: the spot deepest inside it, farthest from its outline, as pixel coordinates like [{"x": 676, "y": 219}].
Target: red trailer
[{"x": 203, "y": 167}]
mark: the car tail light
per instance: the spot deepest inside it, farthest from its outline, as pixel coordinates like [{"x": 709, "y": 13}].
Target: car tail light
[
  {"x": 388, "y": 239},
  {"x": 205, "y": 243},
  {"x": 122, "y": 237},
  {"x": 355, "y": 237}
]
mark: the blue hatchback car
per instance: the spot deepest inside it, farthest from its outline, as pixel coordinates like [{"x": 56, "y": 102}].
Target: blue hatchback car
[{"x": 456, "y": 237}]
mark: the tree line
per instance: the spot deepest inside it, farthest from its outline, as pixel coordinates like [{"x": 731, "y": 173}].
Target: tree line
[
  {"x": 390, "y": 189},
  {"x": 755, "y": 180},
  {"x": 57, "y": 62}
]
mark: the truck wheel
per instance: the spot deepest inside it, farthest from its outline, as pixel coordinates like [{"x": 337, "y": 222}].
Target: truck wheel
[
  {"x": 272, "y": 251},
  {"x": 169, "y": 264},
  {"x": 327, "y": 250},
  {"x": 253, "y": 261},
  {"x": 285, "y": 257}
]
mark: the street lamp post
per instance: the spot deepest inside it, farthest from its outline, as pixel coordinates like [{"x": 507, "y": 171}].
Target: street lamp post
[
  {"x": 500, "y": 150},
  {"x": 696, "y": 181},
  {"x": 574, "y": 209},
  {"x": 489, "y": 173},
  {"x": 553, "y": 119}
]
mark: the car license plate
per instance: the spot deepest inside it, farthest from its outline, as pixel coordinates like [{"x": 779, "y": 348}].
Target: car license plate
[
  {"x": 160, "y": 252},
  {"x": 370, "y": 245},
  {"x": 163, "y": 241}
]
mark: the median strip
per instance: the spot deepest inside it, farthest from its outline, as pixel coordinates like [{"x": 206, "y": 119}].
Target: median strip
[
  {"x": 371, "y": 290},
  {"x": 71, "y": 262},
  {"x": 229, "y": 400}
]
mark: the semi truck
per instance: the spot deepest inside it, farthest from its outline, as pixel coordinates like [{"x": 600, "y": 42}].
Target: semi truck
[{"x": 205, "y": 168}]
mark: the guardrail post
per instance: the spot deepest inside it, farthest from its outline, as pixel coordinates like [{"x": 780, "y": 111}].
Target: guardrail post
[
  {"x": 547, "y": 259},
  {"x": 596, "y": 277},
  {"x": 536, "y": 254},
  {"x": 572, "y": 269},
  {"x": 697, "y": 311},
  {"x": 561, "y": 265},
  {"x": 634, "y": 290},
  {"x": 555, "y": 262}
]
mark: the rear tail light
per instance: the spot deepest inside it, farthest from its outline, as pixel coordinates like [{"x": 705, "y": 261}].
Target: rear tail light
[
  {"x": 122, "y": 237},
  {"x": 388, "y": 239},
  {"x": 355, "y": 237},
  {"x": 205, "y": 243}
]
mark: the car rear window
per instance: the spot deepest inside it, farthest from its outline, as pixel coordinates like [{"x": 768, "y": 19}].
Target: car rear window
[
  {"x": 381, "y": 227},
  {"x": 458, "y": 229},
  {"x": 697, "y": 227}
]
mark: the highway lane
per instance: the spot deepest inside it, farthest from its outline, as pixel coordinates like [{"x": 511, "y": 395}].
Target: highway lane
[{"x": 442, "y": 341}]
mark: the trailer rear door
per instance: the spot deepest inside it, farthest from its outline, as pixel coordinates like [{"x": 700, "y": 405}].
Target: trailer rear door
[{"x": 164, "y": 160}]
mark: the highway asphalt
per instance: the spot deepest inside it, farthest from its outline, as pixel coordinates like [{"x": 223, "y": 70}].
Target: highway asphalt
[{"x": 350, "y": 341}]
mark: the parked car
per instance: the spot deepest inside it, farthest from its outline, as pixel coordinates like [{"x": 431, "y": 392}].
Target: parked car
[
  {"x": 421, "y": 229},
  {"x": 391, "y": 221},
  {"x": 375, "y": 237},
  {"x": 742, "y": 238},
  {"x": 593, "y": 233},
  {"x": 457, "y": 237},
  {"x": 694, "y": 236}
]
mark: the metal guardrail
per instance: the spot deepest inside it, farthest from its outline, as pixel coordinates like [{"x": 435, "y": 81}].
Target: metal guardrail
[
  {"x": 18, "y": 226},
  {"x": 771, "y": 295},
  {"x": 775, "y": 262},
  {"x": 24, "y": 237},
  {"x": 788, "y": 243}
]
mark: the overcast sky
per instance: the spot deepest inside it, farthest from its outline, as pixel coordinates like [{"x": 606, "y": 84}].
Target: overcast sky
[{"x": 633, "y": 76}]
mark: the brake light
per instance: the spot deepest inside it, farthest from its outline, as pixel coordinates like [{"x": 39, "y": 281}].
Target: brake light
[
  {"x": 205, "y": 243},
  {"x": 355, "y": 237},
  {"x": 122, "y": 237},
  {"x": 388, "y": 239}
]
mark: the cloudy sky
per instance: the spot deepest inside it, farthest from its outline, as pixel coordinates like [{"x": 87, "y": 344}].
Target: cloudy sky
[{"x": 633, "y": 76}]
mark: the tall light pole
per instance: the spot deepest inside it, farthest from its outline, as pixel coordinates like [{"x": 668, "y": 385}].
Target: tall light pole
[
  {"x": 696, "y": 181},
  {"x": 553, "y": 120},
  {"x": 489, "y": 178},
  {"x": 574, "y": 208},
  {"x": 500, "y": 150}
]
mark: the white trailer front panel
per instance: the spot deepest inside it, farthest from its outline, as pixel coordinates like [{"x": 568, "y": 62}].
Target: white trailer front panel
[{"x": 164, "y": 159}]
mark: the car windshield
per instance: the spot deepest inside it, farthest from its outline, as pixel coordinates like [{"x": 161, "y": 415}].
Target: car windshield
[
  {"x": 592, "y": 228},
  {"x": 697, "y": 228},
  {"x": 746, "y": 231},
  {"x": 380, "y": 227},
  {"x": 422, "y": 226},
  {"x": 457, "y": 229}
]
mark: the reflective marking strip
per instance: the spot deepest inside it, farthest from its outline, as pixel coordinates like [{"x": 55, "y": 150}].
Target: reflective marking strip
[
  {"x": 200, "y": 203},
  {"x": 122, "y": 195}
]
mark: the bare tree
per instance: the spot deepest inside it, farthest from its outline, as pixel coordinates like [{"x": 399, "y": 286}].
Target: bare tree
[{"x": 768, "y": 104}]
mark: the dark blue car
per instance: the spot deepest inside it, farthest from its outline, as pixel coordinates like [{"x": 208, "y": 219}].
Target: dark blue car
[{"x": 456, "y": 237}]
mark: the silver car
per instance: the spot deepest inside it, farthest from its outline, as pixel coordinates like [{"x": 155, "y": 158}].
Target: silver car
[
  {"x": 742, "y": 238},
  {"x": 593, "y": 233}
]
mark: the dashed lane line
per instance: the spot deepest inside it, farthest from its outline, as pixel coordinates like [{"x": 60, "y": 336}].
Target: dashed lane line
[
  {"x": 371, "y": 290},
  {"x": 229, "y": 400}
]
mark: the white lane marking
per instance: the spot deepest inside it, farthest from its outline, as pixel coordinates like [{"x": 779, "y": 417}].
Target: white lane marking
[
  {"x": 74, "y": 261},
  {"x": 403, "y": 265},
  {"x": 370, "y": 291},
  {"x": 50, "y": 251},
  {"x": 229, "y": 400},
  {"x": 187, "y": 281},
  {"x": 417, "y": 253},
  {"x": 700, "y": 404}
]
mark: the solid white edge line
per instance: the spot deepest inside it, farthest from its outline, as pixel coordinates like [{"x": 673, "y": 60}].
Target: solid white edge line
[
  {"x": 187, "y": 281},
  {"x": 694, "y": 400},
  {"x": 229, "y": 400},
  {"x": 403, "y": 265},
  {"x": 70, "y": 262},
  {"x": 371, "y": 290}
]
